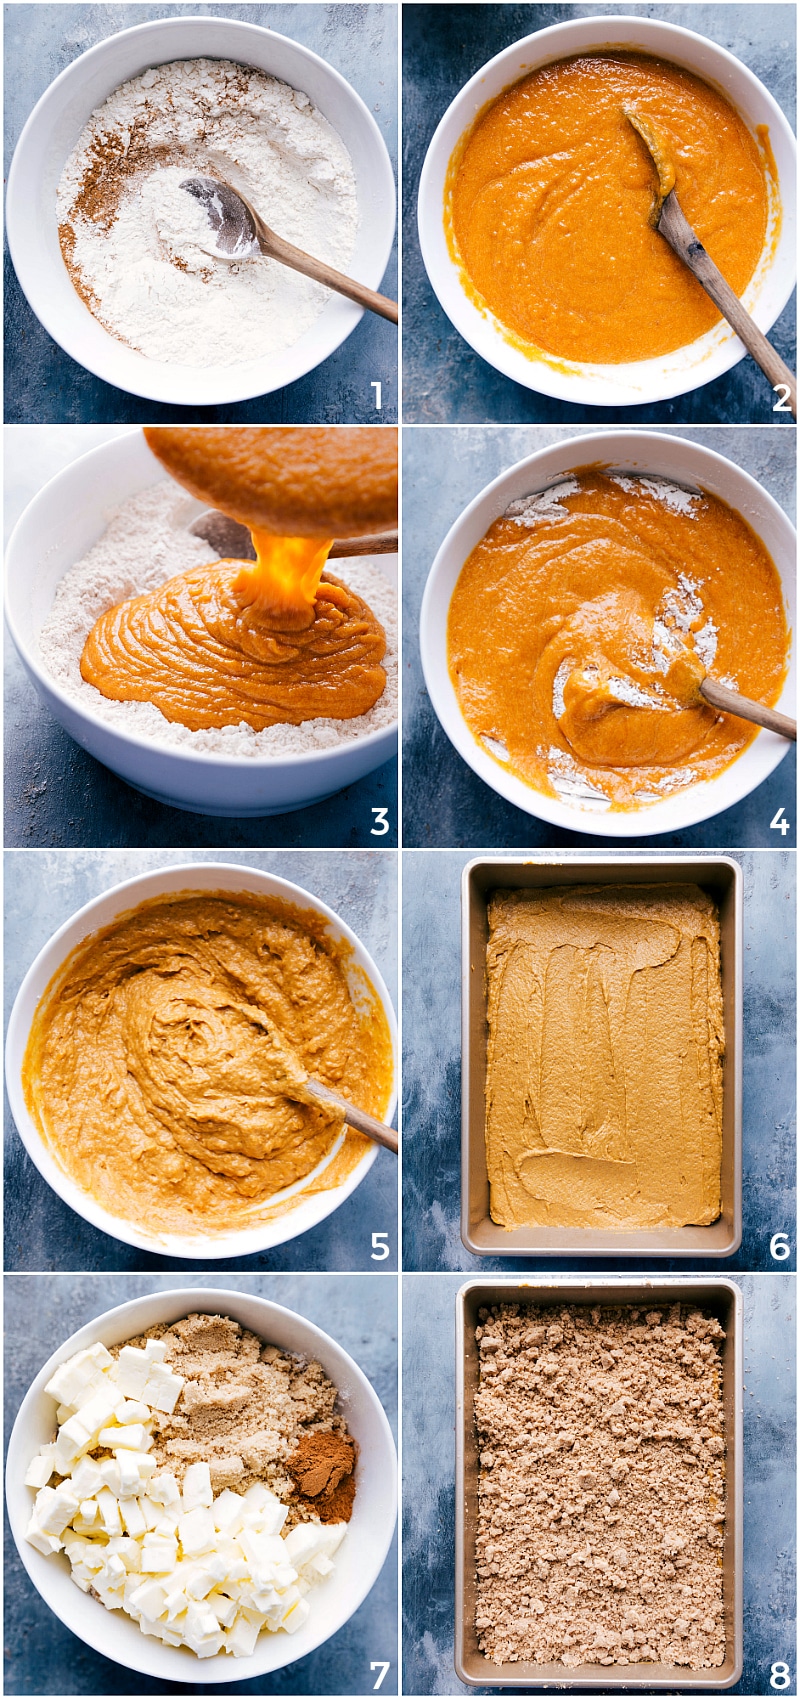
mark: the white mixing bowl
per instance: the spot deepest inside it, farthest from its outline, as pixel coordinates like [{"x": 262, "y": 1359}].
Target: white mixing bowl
[
  {"x": 360, "y": 1557},
  {"x": 57, "y": 529},
  {"x": 630, "y": 383},
  {"x": 51, "y": 133},
  {"x": 308, "y": 1211},
  {"x": 627, "y": 451}
]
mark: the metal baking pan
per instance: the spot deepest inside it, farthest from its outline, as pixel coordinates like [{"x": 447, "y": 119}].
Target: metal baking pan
[
  {"x": 724, "y": 1299},
  {"x": 721, "y": 877}
]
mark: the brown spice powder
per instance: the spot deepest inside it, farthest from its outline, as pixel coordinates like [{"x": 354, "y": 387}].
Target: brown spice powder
[
  {"x": 602, "y": 1486},
  {"x": 322, "y": 1469}
]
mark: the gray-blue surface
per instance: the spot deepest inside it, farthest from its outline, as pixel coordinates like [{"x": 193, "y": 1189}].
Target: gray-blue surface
[
  {"x": 443, "y": 46},
  {"x": 44, "y": 383},
  {"x": 428, "y": 1482},
  {"x": 42, "y": 889},
  {"x": 42, "y": 1656},
  {"x": 56, "y": 795},
  {"x": 444, "y": 802},
  {"x": 432, "y": 1069}
]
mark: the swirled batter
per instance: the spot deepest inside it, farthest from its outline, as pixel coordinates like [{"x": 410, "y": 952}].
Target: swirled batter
[
  {"x": 549, "y": 197},
  {"x": 205, "y": 657},
  {"x": 579, "y": 623},
  {"x": 166, "y": 1062},
  {"x": 603, "y": 1069}
]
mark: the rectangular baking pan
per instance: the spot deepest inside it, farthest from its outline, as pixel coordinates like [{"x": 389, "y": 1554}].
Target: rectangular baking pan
[
  {"x": 721, "y": 877},
  {"x": 724, "y": 1299}
]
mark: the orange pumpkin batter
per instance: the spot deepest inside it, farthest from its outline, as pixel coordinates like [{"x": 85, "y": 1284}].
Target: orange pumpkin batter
[
  {"x": 549, "y": 197},
  {"x": 579, "y": 625},
  {"x": 270, "y": 643}
]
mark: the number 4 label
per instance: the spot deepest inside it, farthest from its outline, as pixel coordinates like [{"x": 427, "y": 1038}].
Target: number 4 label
[
  {"x": 384, "y": 1669},
  {"x": 779, "y": 823}
]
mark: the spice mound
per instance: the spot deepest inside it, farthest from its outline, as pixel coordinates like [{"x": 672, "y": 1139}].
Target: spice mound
[
  {"x": 201, "y": 658},
  {"x": 174, "y": 1496},
  {"x": 604, "y": 1057},
  {"x": 549, "y": 200},
  {"x": 581, "y": 623},
  {"x": 136, "y": 244},
  {"x": 167, "y": 1061},
  {"x": 601, "y": 1494}
]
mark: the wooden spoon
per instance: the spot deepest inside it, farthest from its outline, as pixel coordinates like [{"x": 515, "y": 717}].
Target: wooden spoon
[
  {"x": 232, "y": 541},
  {"x": 688, "y": 680},
  {"x": 238, "y": 232},
  {"x": 358, "y": 1119},
  {"x": 730, "y": 702},
  {"x": 669, "y": 220}
]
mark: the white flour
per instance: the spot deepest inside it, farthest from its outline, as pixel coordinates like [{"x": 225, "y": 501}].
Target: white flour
[
  {"x": 146, "y": 542},
  {"x": 132, "y": 237}
]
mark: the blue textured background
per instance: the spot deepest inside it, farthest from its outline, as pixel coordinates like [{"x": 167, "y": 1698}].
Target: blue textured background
[
  {"x": 42, "y": 889},
  {"x": 444, "y": 802},
  {"x": 57, "y": 795},
  {"x": 432, "y": 1071},
  {"x": 42, "y": 1656},
  {"x": 41, "y": 381},
  {"x": 428, "y": 1482},
  {"x": 443, "y": 46}
]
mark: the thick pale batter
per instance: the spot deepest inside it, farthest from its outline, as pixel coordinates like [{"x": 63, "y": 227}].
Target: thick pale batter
[
  {"x": 549, "y": 196},
  {"x": 167, "y": 1060},
  {"x": 578, "y": 626},
  {"x": 603, "y": 1070}
]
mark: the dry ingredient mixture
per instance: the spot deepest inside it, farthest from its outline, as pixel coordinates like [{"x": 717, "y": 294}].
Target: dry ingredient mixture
[
  {"x": 167, "y": 1061},
  {"x": 604, "y": 1057},
  {"x": 133, "y": 240},
  {"x": 147, "y": 542},
  {"x": 601, "y": 1497},
  {"x": 183, "y": 1492},
  {"x": 583, "y": 622}
]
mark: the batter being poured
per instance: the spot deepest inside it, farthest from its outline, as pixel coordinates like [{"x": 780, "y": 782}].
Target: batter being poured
[{"x": 277, "y": 641}]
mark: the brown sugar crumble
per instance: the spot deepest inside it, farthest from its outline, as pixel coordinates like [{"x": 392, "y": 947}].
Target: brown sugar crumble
[
  {"x": 601, "y": 1496},
  {"x": 250, "y": 1411}
]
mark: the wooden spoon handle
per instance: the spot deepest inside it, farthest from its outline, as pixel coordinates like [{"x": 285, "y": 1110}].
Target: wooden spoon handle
[
  {"x": 358, "y": 1119},
  {"x": 382, "y": 543},
  {"x": 719, "y": 696},
  {"x": 276, "y": 249},
  {"x": 677, "y": 230}
]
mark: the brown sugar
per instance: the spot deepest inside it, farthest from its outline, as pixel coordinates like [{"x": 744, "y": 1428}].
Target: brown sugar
[
  {"x": 601, "y": 1496},
  {"x": 246, "y": 1409}
]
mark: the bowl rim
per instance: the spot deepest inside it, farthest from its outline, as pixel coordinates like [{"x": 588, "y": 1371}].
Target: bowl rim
[
  {"x": 622, "y": 823},
  {"x": 209, "y": 1299},
  {"x": 241, "y": 1242},
  {"x": 245, "y": 389},
  {"x": 545, "y": 376},
  {"x": 45, "y": 682}
]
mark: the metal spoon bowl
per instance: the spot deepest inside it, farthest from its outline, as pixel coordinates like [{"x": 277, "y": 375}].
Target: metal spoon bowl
[{"x": 238, "y": 232}]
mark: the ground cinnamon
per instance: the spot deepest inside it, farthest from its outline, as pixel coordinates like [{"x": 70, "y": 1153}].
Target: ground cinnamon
[{"x": 322, "y": 1469}]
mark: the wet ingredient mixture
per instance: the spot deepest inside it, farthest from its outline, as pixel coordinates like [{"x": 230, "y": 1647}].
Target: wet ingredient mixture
[
  {"x": 604, "y": 1057},
  {"x": 549, "y": 196},
  {"x": 273, "y": 643},
  {"x": 136, "y": 244},
  {"x": 175, "y": 1462},
  {"x": 571, "y": 623},
  {"x": 601, "y": 1496},
  {"x": 167, "y": 1060}
]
